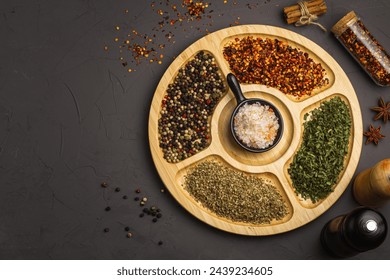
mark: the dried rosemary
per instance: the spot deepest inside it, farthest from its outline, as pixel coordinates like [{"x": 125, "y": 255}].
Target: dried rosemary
[
  {"x": 319, "y": 161},
  {"x": 234, "y": 195}
]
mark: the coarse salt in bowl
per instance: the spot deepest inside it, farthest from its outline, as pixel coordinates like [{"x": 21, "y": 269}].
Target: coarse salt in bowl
[{"x": 256, "y": 125}]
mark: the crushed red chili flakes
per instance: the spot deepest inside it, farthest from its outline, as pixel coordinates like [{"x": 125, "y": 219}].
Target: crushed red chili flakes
[
  {"x": 274, "y": 63},
  {"x": 135, "y": 47}
]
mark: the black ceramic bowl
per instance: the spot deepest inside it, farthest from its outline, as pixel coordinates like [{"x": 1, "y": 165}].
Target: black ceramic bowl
[{"x": 241, "y": 100}]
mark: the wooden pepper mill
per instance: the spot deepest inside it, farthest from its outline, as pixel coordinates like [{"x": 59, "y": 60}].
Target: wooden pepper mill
[{"x": 372, "y": 186}]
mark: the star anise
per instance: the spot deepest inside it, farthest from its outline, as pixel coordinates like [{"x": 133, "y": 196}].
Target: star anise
[
  {"x": 383, "y": 110},
  {"x": 373, "y": 135}
]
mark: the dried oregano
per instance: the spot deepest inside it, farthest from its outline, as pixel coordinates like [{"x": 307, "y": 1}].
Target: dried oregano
[
  {"x": 234, "y": 195},
  {"x": 316, "y": 167}
]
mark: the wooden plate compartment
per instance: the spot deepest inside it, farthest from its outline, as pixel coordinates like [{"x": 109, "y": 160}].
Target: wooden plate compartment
[{"x": 274, "y": 163}]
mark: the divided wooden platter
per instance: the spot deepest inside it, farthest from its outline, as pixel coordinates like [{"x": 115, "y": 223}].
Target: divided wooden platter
[{"x": 274, "y": 163}]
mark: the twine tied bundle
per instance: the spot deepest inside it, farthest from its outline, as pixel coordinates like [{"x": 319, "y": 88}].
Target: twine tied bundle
[{"x": 305, "y": 13}]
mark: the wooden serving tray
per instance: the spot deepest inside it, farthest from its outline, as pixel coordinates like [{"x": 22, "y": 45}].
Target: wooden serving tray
[{"x": 274, "y": 163}]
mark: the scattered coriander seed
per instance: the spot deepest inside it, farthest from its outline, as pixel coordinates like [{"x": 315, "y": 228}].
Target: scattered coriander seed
[
  {"x": 108, "y": 208},
  {"x": 138, "y": 190},
  {"x": 162, "y": 190},
  {"x": 129, "y": 235},
  {"x": 144, "y": 199},
  {"x": 104, "y": 185},
  {"x": 142, "y": 203}
]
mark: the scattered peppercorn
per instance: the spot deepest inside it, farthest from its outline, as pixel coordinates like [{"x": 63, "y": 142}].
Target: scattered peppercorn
[
  {"x": 127, "y": 228},
  {"x": 274, "y": 63},
  {"x": 117, "y": 189},
  {"x": 106, "y": 230},
  {"x": 125, "y": 197},
  {"x": 108, "y": 208},
  {"x": 138, "y": 190},
  {"x": 183, "y": 126},
  {"x": 136, "y": 198},
  {"x": 160, "y": 243},
  {"x": 154, "y": 220}
]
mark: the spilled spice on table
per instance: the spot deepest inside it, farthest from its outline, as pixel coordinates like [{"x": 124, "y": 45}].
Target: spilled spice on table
[{"x": 137, "y": 47}]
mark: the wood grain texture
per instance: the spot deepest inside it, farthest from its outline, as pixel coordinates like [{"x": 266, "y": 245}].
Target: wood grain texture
[{"x": 274, "y": 163}]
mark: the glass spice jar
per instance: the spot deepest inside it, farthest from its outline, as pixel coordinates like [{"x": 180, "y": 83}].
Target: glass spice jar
[{"x": 360, "y": 43}]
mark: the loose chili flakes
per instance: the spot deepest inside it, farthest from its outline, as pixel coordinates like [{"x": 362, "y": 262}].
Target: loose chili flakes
[{"x": 274, "y": 63}]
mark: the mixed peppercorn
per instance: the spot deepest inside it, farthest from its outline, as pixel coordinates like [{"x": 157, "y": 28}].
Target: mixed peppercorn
[
  {"x": 183, "y": 125},
  {"x": 274, "y": 63}
]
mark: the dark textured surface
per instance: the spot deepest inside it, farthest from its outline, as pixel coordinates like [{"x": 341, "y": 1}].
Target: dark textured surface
[{"x": 71, "y": 117}]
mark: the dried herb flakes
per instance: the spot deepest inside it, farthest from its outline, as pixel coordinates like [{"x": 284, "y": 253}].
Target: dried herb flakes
[
  {"x": 316, "y": 167},
  {"x": 234, "y": 195}
]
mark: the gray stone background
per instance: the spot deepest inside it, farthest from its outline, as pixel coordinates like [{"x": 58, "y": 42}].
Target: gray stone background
[{"x": 71, "y": 117}]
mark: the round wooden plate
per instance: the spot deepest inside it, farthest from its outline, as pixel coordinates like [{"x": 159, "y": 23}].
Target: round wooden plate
[{"x": 274, "y": 163}]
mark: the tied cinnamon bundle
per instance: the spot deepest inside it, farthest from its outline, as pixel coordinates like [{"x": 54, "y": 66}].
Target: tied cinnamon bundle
[{"x": 305, "y": 12}]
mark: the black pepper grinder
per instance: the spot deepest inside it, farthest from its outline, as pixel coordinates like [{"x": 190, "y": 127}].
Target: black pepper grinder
[{"x": 360, "y": 230}]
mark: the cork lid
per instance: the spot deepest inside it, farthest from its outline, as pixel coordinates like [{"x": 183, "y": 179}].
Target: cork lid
[{"x": 343, "y": 23}]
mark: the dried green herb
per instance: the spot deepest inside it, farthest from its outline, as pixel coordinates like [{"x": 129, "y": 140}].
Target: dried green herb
[
  {"x": 316, "y": 167},
  {"x": 234, "y": 195}
]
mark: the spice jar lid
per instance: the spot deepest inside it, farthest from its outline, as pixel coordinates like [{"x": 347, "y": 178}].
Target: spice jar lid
[{"x": 343, "y": 23}]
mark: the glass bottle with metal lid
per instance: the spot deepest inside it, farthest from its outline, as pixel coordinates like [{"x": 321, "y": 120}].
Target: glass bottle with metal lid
[
  {"x": 362, "y": 45},
  {"x": 360, "y": 230}
]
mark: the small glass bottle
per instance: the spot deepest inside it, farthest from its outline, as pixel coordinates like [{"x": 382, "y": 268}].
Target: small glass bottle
[
  {"x": 360, "y": 230},
  {"x": 360, "y": 43}
]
